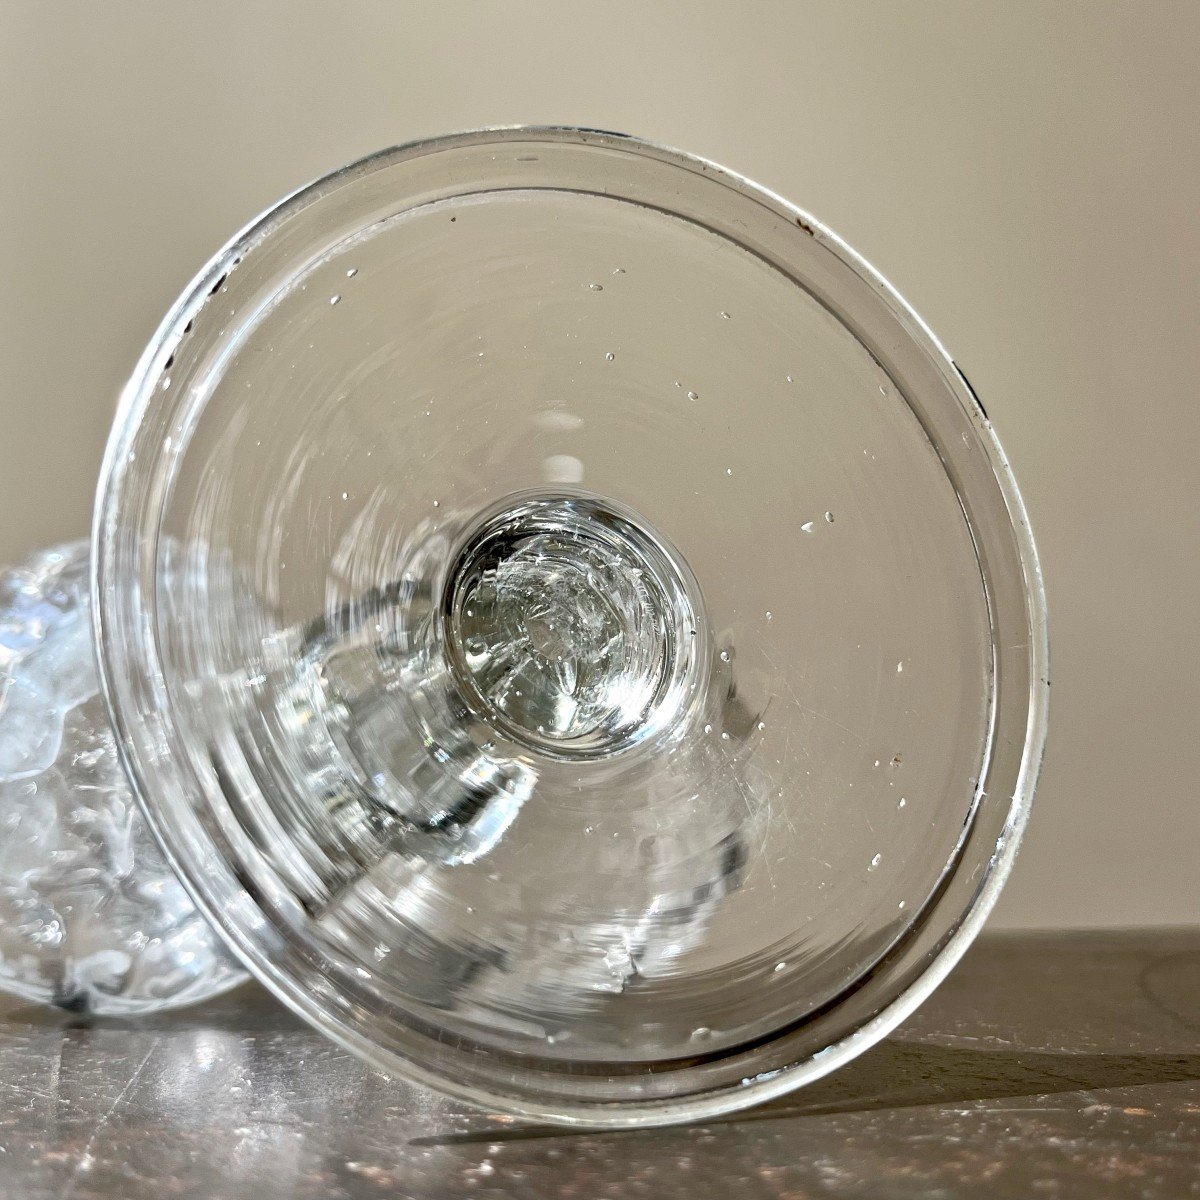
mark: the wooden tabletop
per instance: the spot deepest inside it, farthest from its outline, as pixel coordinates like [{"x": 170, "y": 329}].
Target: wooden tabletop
[{"x": 1049, "y": 1065}]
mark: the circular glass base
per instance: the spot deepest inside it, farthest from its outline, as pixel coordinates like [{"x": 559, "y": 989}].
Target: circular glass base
[{"x": 572, "y": 626}]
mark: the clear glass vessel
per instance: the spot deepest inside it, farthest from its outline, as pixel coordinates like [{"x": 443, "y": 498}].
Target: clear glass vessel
[
  {"x": 570, "y": 625},
  {"x": 92, "y": 918}
]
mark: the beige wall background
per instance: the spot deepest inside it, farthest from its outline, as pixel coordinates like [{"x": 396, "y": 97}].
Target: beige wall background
[{"x": 1026, "y": 174}]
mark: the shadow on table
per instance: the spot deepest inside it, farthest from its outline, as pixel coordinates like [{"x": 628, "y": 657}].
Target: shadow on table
[
  {"x": 899, "y": 1074},
  {"x": 896, "y": 1074}
]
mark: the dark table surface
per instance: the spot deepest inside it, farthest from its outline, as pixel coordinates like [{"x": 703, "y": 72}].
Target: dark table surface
[{"x": 1048, "y": 1065}]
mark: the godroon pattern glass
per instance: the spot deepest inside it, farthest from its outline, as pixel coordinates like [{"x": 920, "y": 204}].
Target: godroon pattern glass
[
  {"x": 570, "y": 625},
  {"x": 92, "y": 917}
]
